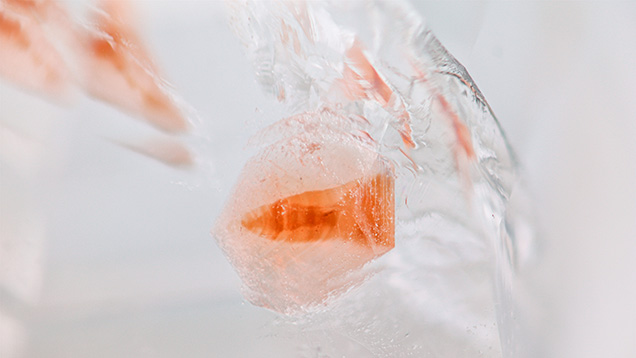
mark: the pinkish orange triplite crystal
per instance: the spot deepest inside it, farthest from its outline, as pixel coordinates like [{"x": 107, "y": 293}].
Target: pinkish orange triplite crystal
[
  {"x": 356, "y": 211},
  {"x": 307, "y": 212}
]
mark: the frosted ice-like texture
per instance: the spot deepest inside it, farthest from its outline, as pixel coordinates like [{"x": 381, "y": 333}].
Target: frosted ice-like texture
[
  {"x": 391, "y": 94},
  {"x": 306, "y": 212}
]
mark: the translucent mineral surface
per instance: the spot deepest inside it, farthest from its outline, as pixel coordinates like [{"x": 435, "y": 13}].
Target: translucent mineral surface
[
  {"x": 306, "y": 211},
  {"x": 375, "y": 110}
]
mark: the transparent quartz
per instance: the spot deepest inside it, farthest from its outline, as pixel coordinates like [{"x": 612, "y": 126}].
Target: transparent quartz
[{"x": 367, "y": 90}]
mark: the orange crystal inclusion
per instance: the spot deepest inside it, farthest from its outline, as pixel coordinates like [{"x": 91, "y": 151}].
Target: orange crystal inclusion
[{"x": 360, "y": 211}]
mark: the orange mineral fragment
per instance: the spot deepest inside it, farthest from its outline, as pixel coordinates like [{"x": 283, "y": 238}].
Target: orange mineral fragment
[
  {"x": 360, "y": 80},
  {"x": 119, "y": 70},
  {"x": 359, "y": 211},
  {"x": 28, "y": 57},
  {"x": 307, "y": 213}
]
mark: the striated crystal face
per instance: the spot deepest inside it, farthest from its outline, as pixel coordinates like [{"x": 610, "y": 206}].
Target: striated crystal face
[
  {"x": 361, "y": 211},
  {"x": 306, "y": 212}
]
